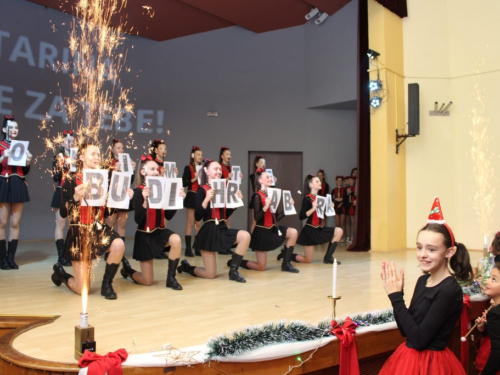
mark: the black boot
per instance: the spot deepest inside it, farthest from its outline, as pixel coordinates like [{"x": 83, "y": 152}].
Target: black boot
[
  {"x": 11, "y": 253},
  {"x": 233, "y": 269},
  {"x": 286, "y": 265},
  {"x": 281, "y": 254},
  {"x": 186, "y": 268},
  {"x": 127, "y": 270},
  {"x": 171, "y": 281},
  {"x": 328, "y": 259},
  {"x": 188, "y": 252},
  {"x": 107, "y": 281},
  {"x": 60, "y": 253},
  {"x": 60, "y": 275},
  {"x": 4, "y": 265},
  {"x": 243, "y": 264}
]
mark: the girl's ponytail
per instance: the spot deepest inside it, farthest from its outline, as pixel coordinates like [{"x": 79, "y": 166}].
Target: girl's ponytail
[{"x": 460, "y": 263}]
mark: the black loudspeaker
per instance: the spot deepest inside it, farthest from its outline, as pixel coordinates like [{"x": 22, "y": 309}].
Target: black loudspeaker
[{"x": 413, "y": 109}]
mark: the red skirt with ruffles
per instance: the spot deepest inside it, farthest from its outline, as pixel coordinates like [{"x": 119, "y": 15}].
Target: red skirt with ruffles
[
  {"x": 422, "y": 362},
  {"x": 483, "y": 354}
]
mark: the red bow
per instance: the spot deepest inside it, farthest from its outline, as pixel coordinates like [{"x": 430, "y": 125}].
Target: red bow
[
  {"x": 339, "y": 177},
  {"x": 464, "y": 325},
  {"x": 260, "y": 170},
  {"x": 311, "y": 176},
  {"x": 195, "y": 148},
  {"x": 116, "y": 140},
  {"x": 9, "y": 117},
  {"x": 208, "y": 161},
  {"x": 224, "y": 148},
  {"x": 98, "y": 364},
  {"x": 68, "y": 132},
  {"x": 158, "y": 141},
  {"x": 144, "y": 157},
  {"x": 259, "y": 156},
  {"x": 348, "y": 353}
]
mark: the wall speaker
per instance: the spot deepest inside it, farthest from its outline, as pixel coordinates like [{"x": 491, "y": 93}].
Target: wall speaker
[{"x": 413, "y": 109}]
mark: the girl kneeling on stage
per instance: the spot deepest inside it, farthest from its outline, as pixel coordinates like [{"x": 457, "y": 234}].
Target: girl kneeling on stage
[
  {"x": 313, "y": 233},
  {"x": 151, "y": 237},
  {"x": 436, "y": 304},
  {"x": 88, "y": 236},
  {"x": 267, "y": 235},
  {"x": 214, "y": 235}
]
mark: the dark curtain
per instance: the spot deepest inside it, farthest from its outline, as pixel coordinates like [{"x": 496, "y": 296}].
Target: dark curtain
[
  {"x": 362, "y": 225},
  {"x": 395, "y": 6}
]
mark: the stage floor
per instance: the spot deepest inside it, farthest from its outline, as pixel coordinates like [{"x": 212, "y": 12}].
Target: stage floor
[{"x": 144, "y": 318}]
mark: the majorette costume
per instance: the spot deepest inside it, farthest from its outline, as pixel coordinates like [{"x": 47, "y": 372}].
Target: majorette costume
[
  {"x": 427, "y": 323},
  {"x": 338, "y": 193},
  {"x": 111, "y": 167},
  {"x": 488, "y": 356},
  {"x": 191, "y": 187},
  {"x": 350, "y": 198}
]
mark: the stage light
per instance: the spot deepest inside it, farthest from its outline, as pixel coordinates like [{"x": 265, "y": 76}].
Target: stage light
[
  {"x": 321, "y": 18},
  {"x": 372, "y": 54},
  {"x": 312, "y": 13},
  {"x": 375, "y": 85},
  {"x": 376, "y": 101}
]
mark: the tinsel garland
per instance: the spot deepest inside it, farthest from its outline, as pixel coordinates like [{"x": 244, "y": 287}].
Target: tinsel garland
[{"x": 255, "y": 337}]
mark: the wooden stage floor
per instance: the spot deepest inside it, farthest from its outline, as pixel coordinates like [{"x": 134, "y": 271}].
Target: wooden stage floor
[{"x": 144, "y": 318}]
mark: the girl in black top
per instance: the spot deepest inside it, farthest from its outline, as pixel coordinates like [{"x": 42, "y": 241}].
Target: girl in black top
[
  {"x": 267, "y": 235},
  {"x": 152, "y": 237},
  {"x": 325, "y": 189},
  {"x": 214, "y": 235},
  {"x": 259, "y": 162},
  {"x": 60, "y": 170},
  {"x": 120, "y": 216},
  {"x": 313, "y": 233},
  {"x": 88, "y": 236},
  {"x": 158, "y": 152},
  {"x": 435, "y": 307},
  {"x": 13, "y": 194},
  {"x": 190, "y": 183}
]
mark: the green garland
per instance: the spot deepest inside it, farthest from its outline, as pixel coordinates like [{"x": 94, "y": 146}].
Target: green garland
[{"x": 252, "y": 338}]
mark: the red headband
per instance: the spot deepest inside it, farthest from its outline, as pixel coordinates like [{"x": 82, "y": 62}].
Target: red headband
[{"x": 144, "y": 157}]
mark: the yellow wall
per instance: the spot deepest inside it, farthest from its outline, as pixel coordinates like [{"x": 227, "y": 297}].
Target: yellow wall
[
  {"x": 388, "y": 169},
  {"x": 451, "y": 49}
]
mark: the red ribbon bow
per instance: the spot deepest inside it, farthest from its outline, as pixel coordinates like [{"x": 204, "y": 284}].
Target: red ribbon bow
[
  {"x": 224, "y": 148},
  {"x": 99, "y": 365},
  {"x": 464, "y": 325},
  {"x": 311, "y": 176},
  {"x": 68, "y": 132},
  {"x": 208, "y": 161},
  {"x": 259, "y": 156},
  {"x": 348, "y": 352},
  {"x": 260, "y": 170},
  {"x": 195, "y": 148},
  {"x": 144, "y": 157},
  {"x": 116, "y": 140},
  {"x": 158, "y": 141},
  {"x": 9, "y": 117}
]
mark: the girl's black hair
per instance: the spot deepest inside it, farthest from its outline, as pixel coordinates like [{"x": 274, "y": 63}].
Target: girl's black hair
[
  {"x": 5, "y": 120},
  {"x": 203, "y": 174},
  {"x": 258, "y": 173},
  {"x": 307, "y": 181},
  {"x": 154, "y": 146},
  {"x": 191, "y": 155},
  {"x": 495, "y": 244},
  {"x": 324, "y": 176},
  {"x": 139, "y": 178},
  {"x": 222, "y": 149},
  {"x": 460, "y": 262},
  {"x": 256, "y": 160}
]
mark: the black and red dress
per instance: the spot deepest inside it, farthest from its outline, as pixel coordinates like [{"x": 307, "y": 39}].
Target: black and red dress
[
  {"x": 13, "y": 185},
  {"x": 111, "y": 167},
  {"x": 150, "y": 245},
  {"x": 84, "y": 224},
  {"x": 161, "y": 168},
  {"x": 325, "y": 188},
  {"x": 212, "y": 237},
  {"x": 265, "y": 236},
  {"x": 226, "y": 169},
  {"x": 190, "y": 187},
  {"x": 488, "y": 356},
  {"x": 338, "y": 193},
  {"x": 313, "y": 233},
  {"x": 349, "y": 199},
  {"x": 59, "y": 172}
]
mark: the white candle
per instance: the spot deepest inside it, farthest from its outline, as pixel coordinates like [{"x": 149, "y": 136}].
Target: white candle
[
  {"x": 84, "y": 320},
  {"x": 334, "y": 291}
]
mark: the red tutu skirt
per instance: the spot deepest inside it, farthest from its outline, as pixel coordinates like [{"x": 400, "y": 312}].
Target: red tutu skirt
[
  {"x": 422, "y": 362},
  {"x": 483, "y": 354}
]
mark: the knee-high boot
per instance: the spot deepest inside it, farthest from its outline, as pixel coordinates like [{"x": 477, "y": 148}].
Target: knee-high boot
[
  {"x": 328, "y": 259},
  {"x": 60, "y": 276},
  {"x": 11, "y": 253},
  {"x": 233, "y": 269},
  {"x": 188, "y": 252},
  {"x": 60, "y": 253},
  {"x": 171, "y": 281},
  {"x": 107, "y": 281},
  {"x": 286, "y": 265},
  {"x": 4, "y": 265},
  {"x": 127, "y": 270},
  {"x": 186, "y": 268}
]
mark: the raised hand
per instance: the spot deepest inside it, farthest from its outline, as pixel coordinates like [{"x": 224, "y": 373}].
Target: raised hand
[{"x": 392, "y": 281}]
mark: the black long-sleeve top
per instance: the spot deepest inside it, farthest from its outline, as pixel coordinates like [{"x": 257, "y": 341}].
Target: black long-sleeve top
[
  {"x": 433, "y": 312},
  {"x": 493, "y": 329},
  {"x": 312, "y": 220},
  {"x": 59, "y": 169},
  {"x": 187, "y": 176},
  {"x": 209, "y": 213},
  {"x": 252, "y": 178},
  {"x": 349, "y": 197},
  {"x": 156, "y": 216},
  {"x": 264, "y": 219}
]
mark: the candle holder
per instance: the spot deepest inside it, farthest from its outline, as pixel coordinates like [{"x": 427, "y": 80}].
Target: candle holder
[{"x": 334, "y": 301}]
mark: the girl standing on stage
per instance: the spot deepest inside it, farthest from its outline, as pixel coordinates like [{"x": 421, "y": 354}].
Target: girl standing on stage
[
  {"x": 436, "y": 304},
  {"x": 190, "y": 183},
  {"x": 60, "y": 170},
  {"x": 120, "y": 216},
  {"x": 259, "y": 162},
  {"x": 152, "y": 237},
  {"x": 350, "y": 206},
  {"x": 267, "y": 235},
  {"x": 88, "y": 236},
  {"x": 214, "y": 235},
  {"x": 158, "y": 152},
  {"x": 13, "y": 194},
  {"x": 325, "y": 188},
  {"x": 313, "y": 233},
  {"x": 338, "y": 203}
]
